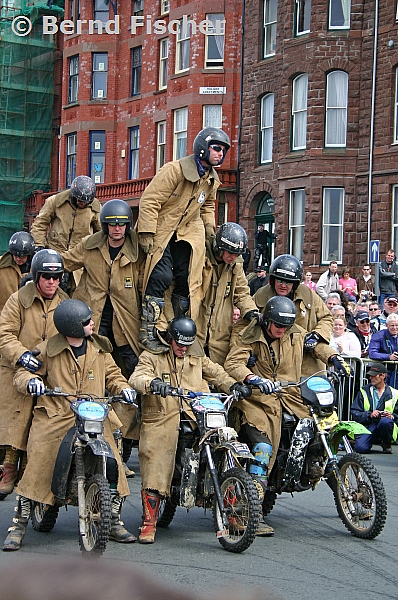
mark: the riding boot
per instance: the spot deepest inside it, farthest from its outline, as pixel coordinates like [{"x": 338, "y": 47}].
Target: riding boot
[
  {"x": 17, "y": 531},
  {"x": 10, "y": 472},
  {"x": 150, "y": 505},
  {"x": 118, "y": 532},
  {"x": 180, "y": 304},
  {"x": 148, "y": 339}
]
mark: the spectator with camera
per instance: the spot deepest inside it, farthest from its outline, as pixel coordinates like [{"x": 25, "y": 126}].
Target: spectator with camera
[{"x": 366, "y": 282}]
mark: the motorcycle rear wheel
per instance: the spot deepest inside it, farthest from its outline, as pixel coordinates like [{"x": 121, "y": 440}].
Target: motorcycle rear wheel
[
  {"x": 167, "y": 510},
  {"x": 366, "y": 489},
  {"x": 98, "y": 521},
  {"x": 44, "y": 517},
  {"x": 242, "y": 506},
  {"x": 268, "y": 502}
]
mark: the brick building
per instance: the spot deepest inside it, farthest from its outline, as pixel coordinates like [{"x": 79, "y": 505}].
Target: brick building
[{"x": 319, "y": 152}]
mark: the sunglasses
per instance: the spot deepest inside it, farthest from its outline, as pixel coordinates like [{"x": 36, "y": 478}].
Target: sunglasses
[
  {"x": 283, "y": 281},
  {"x": 364, "y": 321},
  {"x": 217, "y": 148},
  {"x": 49, "y": 276},
  {"x": 85, "y": 323},
  {"x": 373, "y": 309},
  {"x": 114, "y": 223}
]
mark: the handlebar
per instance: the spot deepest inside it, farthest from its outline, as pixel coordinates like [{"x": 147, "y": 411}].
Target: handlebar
[
  {"x": 89, "y": 397},
  {"x": 190, "y": 395}
]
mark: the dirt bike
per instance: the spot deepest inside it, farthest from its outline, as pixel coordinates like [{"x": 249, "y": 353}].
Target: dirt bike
[
  {"x": 210, "y": 471},
  {"x": 79, "y": 477},
  {"x": 307, "y": 454}
]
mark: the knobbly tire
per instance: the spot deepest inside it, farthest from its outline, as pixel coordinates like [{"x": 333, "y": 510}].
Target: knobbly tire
[
  {"x": 98, "y": 522},
  {"x": 368, "y": 495},
  {"x": 167, "y": 510},
  {"x": 268, "y": 502},
  {"x": 242, "y": 509},
  {"x": 44, "y": 517}
]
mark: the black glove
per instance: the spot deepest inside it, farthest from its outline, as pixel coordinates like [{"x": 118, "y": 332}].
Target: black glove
[
  {"x": 340, "y": 365},
  {"x": 253, "y": 314},
  {"x": 38, "y": 248},
  {"x": 310, "y": 341},
  {"x": 160, "y": 387},
  {"x": 29, "y": 361},
  {"x": 63, "y": 284},
  {"x": 251, "y": 361},
  {"x": 266, "y": 386},
  {"x": 35, "y": 387},
  {"x": 242, "y": 390}
]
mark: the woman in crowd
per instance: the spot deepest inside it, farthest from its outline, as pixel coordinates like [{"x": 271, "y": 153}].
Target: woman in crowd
[
  {"x": 345, "y": 342},
  {"x": 348, "y": 285},
  {"x": 308, "y": 281}
]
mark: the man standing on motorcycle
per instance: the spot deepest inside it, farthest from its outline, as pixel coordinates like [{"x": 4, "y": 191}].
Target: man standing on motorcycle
[
  {"x": 278, "y": 342},
  {"x": 185, "y": 366},
  {"x": 77, "y": 361}
]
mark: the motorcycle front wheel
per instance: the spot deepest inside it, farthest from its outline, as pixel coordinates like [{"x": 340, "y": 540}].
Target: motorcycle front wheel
[
  {"x": 367, "y": 494},
  {"x": 167, "y": 510},
  {"x": 98, "y": 516},
  {"x": 242, "y": 508},
  {"x": 44, "y": 517}
]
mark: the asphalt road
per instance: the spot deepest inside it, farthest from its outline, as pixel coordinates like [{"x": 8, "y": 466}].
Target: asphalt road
[{"x": 312, "y": 555}]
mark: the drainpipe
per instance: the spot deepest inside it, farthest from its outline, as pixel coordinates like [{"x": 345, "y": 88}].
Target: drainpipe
[
  {"x": 240, "y": 112},
  {"x": 372, "y": 116}
]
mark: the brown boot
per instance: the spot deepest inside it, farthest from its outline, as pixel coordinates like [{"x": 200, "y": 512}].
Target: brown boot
[
  {"x": 150, "y": 505},
  {"x": 17, "y": 531},
  {"x": 8, "y": 479}
]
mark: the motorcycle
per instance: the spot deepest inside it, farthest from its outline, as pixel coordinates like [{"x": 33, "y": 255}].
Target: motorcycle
[
  {"x": 307, "y": 454},
  {"x": 79, "y": 477},
  {"x": 210, "y": 471}
]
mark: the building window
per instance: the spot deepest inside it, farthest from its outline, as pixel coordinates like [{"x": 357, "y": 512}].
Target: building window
[
  {"x": 299, "y": 112},
  {"x": 99, "y": 75},
  {"x": 73, "y": 84},
  {"x": 396, "y": 108},
  {"x": 164, "y": 6},
  {"x": 182, "y": 46},
  {"x": 339, "y": 14},
  {"x": 270, "y": 13},
  {"x": 214, "y": 51},
  {"x": 336, "y": 109},
  {"x": 222, "y": 211},
  {"x": 138, "y": 8},
  {"x": 296, "y": 223},
  {"x": 74, "y": 10},
  {"x": 97, "y": 156},
  {"x": 70, "y": 158},
  {"x": 136, "y": 67},
  {"x": 212, "y": 115},
  {"x": 161, "y": 145},
  {"x": 101, "y": 10},
  {"x": 332, "y": 225},
  {"x": 394, "y": 243},
  {"x": 134, "y": 152},
  {"x": 303, "y": 14},
  {"x": 267, "y": 128},
  {"x": 180, "y": 133},
  {"x": 163, "y": 63}
]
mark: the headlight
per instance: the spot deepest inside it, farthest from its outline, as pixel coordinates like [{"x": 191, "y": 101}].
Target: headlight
[
  {"x": 215, "y": 420},
  {"x": 93, "y": 426},
  {"x": 326, "y": 398}
]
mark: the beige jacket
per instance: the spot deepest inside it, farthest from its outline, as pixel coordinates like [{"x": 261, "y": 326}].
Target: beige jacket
[{"x": 10, "y": 275}]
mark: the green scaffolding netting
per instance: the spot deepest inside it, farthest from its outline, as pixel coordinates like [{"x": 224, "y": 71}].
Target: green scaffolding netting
[{"x": 26, "y": 109}]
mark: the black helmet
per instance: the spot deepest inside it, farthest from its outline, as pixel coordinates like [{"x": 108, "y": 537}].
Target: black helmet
[
  {"x": 279, "y": 310},
  {"x": 210, "y": 135},
  {"x": 116, "y": 212},
  {"x": 47, "y": 261},
  {"x": 182, "y": 330},
  {"x": 230, "y": 237},
  {"x": 82, "y": 189},
  {"x": 21, "y": 244},
  {"x": 286, "y": 267},
  {"x": 70, "y": 316}
]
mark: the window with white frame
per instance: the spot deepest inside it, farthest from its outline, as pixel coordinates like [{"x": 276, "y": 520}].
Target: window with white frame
[
  {"x": 101, "y": 10},
  {"x": 214, "y": 50},
  {"x": 73, "y": 84},
  {"x": 296, "y": 222},
  {"x": 136, "y": 68},
  {"x": 97, "y": 156},
  {"x": 303, "y": 15},
  {"x": 266, "y": 128},
  {"x": 134, "y": 152},
  {"x": 99, "y": 75},
  {"x": 339, "y": 14},
  {"x": 299, "y": 112},
  {"x": 183, "y": 41},
  {"x": 164, "y": 6},
  {"x": 336, "y": 109},
  {"x": 70, "y": 158},
  {"x": 332, "y": 224},
  {"x": 212, "y": 115},
  {"x": 396, "y": 108},
  {"x": 270, "y": 15},
  {"x": 180, "y": 133},
  {"x": 138, "y": 7},
  {"x": 163, "y": 62},
  {"x": 222, "y": 210},
  {"x": 394, "y": 243},
  {"x": 161, "y": 145}
]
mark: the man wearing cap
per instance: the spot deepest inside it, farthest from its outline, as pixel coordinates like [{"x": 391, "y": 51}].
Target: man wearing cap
[
  {"x": 384, "y": 346},
  {"x": 390, "y": 306},
  {"x": 388, "y": 276},
  {"x": 375, "y": 406},
  {"x": 257, "y": 282},
  {"x": 363, "y": 330}
]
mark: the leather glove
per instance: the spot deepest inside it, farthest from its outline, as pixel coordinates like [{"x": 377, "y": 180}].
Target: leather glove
[
  {"x": 145, "y": 240},
  {"x": 340, "y": 365},
  {"x": 129, "y": 395},
  {"x": 160, "y": 387},
  {"x": 29, "y": 361},
  {"x": 35, "y": 387},
  {"x": 266, "y": 386},
  {"x": 209, "y": 230},
  {"x": 38, "y": 248},
  {"x": 251, "y": 360},
  {"x": 64, "y": 282},
  {"x": 310, "y": 341},
  {"x": 242, "y": 390},
  {"x": 253, "y": 314}
]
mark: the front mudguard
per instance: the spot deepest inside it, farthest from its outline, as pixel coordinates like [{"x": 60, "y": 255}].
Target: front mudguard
[
  {"x": 348, "y": 428},
  {"x": 302, "y": 436}
]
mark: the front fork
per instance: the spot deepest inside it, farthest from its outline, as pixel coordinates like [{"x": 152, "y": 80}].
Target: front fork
[
  {"x": 216, "y": 483},
  {"x": 332, "y": 462},
  {"x": 81, "y": 481}
]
